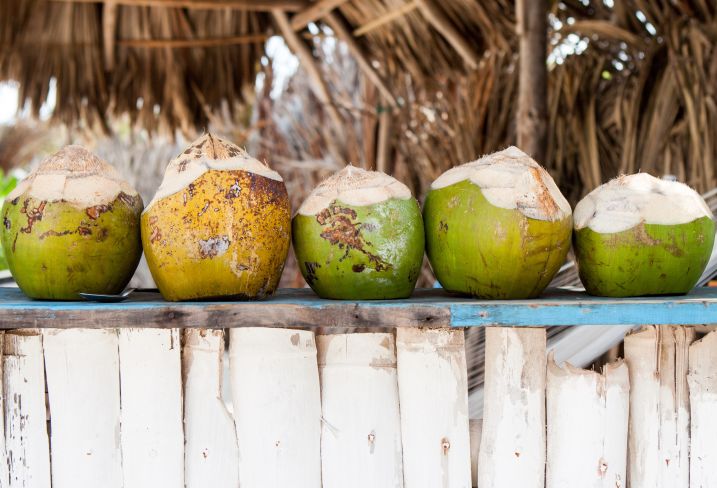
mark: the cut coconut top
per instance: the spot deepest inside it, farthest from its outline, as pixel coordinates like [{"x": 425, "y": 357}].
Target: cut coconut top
[
  {"x": 513, "y": 180},
  {"x": 626, "y": 201},
  {"x": 208, "y": 153},
  {"x": 356, "y": 187},
  {"x": 74, "y": 175}
]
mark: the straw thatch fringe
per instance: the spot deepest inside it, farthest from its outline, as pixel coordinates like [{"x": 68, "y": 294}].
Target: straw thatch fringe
[{"x": 638, "y": 96}]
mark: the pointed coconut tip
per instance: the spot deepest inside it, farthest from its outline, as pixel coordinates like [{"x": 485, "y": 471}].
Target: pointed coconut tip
[
  {"x": 356, "y": 187},
  {"x": 511, "y": 179},
  {"x": 75, "y": 161},
  {"x": 629, "y": 200},
  {"x": 74, "y": 175},
  {"x": 208, "y": 152}
]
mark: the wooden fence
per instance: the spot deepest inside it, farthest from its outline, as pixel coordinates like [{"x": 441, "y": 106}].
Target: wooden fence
[{"x": 134, "y": 395}]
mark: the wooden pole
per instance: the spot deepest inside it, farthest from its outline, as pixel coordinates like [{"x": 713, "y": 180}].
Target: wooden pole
[
  {"x": 211, "y": 453},
  {"x": 277, "y": 407},
  {"x": 248, "y": 5},
  {"x": 433, "y": 391},
  {"x": 659, "y": 407},
  {"x": 386, "y": 18},
  {"x": 702, "y": 380},
  {"x": 109, "y": 30},
  {"x": 314, "y": 12},
  {"x": 383, "y": 149},
  {"x": 532, "y": 113},
  {"x": 361, "y": 428},
  {"x": 189, "y": 43},
  {"x": 512, "y": 450},
  {"x": 587, "y": 418}
]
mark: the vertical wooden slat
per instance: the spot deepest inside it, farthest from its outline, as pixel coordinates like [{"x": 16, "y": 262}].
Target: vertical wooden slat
[
  {"x": 277, "y": 407},
  {"x": 4, "y": 466},
  {"x": 659, "y": 407},
  {"x": 361, "y": 430},
  {"x": 82, "y": 368},
  {"x": 27, "y": 443},
  {"x": 587, "y": 418},
  {"x": 152, "y": 428},
  {"x": 512, "y": 450},
  {"x": 211, "y": 451},
  {"x": 433, "y": 392},
  {"x": 702, "y": 380}
]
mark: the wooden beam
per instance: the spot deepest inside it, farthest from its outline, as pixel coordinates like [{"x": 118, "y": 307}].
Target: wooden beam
[
  {"x": 180, "y": 43},
  {"x": 343, "y": 34},
  {"x": 109, "y": 29},
  {"x": 443, "y": 25},
  {"x": 303, "y": 308},
  {"x": 314, "y": 12},
  {"x": 383, "y": 150},
  {"x": 386, "y": 18},
  {"x": 532, "y": 113},
  {"x": 302, "y": 51},
  {"x": 251, "y": 5}
]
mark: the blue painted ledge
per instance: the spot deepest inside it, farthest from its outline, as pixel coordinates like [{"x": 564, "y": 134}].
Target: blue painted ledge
[{"x": 301, "y": 308}]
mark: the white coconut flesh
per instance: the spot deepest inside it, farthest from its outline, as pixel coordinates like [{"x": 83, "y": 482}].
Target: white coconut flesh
[
  {"x": 627, "y": 201},
  {"x": 355, "y": 187},
  {"x": 511, "y": 179},
  {"x": 208, "y": 153},
  {"x": 76, "y": 176}
]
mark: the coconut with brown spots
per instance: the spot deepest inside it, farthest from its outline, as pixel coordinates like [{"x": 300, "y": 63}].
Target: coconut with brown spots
[
  {"x": 639, "y": 235},
  {"x": 219, "y": 225},
  {"x": 72, "y": 226},
  {"x": 497, "y": 228},
  {"x": 359, "y": 235}
]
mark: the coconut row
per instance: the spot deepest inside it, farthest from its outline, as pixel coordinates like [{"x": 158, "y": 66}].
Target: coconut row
[{"x": 220, "y": 226}]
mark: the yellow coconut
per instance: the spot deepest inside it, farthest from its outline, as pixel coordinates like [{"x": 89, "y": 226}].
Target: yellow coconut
[{"x": 219, "y": 225}]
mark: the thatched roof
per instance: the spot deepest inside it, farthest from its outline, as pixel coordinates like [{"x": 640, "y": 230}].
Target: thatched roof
[{"x": 641, "y": 96}]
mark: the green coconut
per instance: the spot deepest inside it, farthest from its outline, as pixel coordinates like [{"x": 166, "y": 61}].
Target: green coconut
[
  {"x": 497, "y": 228},
  {"x": 72, "y": 226},
  {"x": 359, "y": 236},
  {"x": 638, "y": 235}
]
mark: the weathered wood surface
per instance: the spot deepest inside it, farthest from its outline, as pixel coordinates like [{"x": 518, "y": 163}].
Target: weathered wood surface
[
  {"x": 152, "y": 437},
  {"x": 302, "y": 308},
  {"x": 83, "y": 391},
  {"x": 433, "y": 395}
]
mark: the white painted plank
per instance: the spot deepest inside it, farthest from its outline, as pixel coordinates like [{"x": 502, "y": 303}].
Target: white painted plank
[
  {"x": 211, "y": 451},
  {"x": 277, "y": 407},
  {"x": 361, "y": 429},
  {"x": 82, "y": 368},
  {"x": 587, "y": 419},
  {"x": 433, "y": 391},
  {"x": 152, "y": 427},
  {"x": 657, "y": 358},
  {"x": 27, "y": 442},
  {"x": 512, "y": 450},
  {"x": 702, "y": 380},
  {"x": 4, "y": 460}
]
